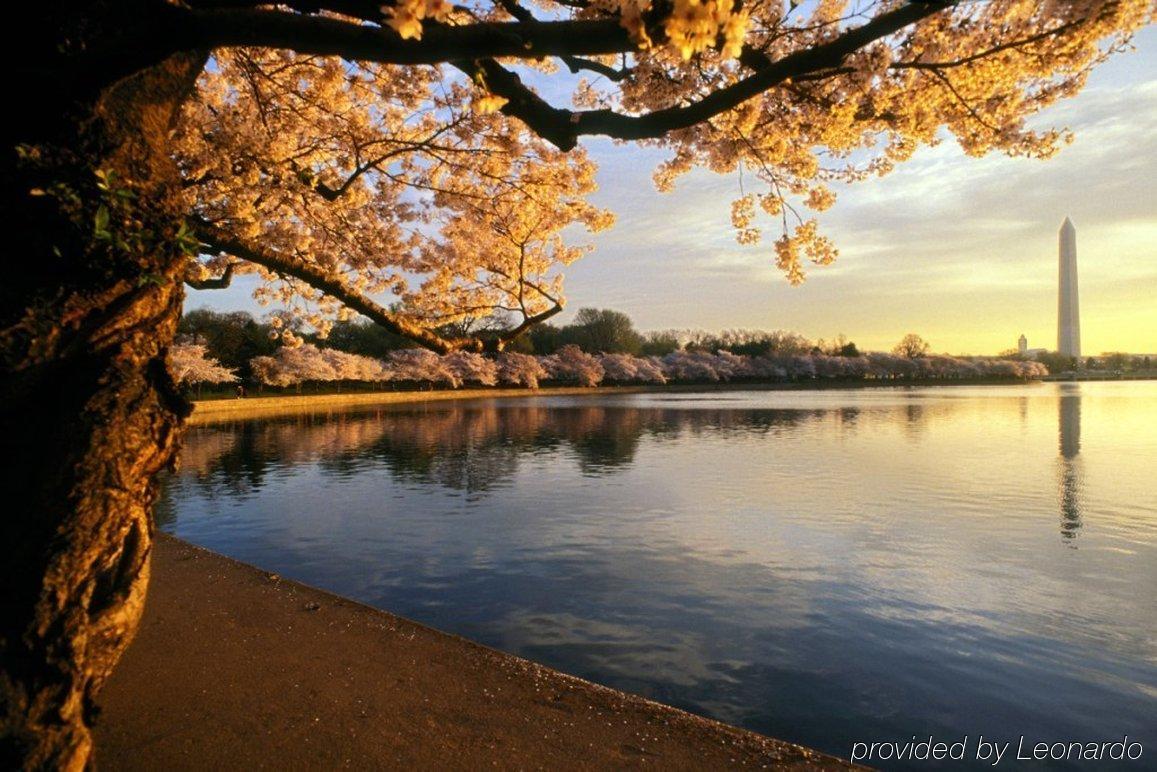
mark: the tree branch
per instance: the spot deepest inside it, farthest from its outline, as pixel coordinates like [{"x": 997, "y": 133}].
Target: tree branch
[
  {"x": 963, "y": 102},
  {"x": 989, "y": 52},
  {"x": 305, "y": 34},
  {"x": 530, "y": 321},
  {"x": 564, "y": 127},
  {"x": 335, "y": 287},
  {"x": 220, "y": 282},
  {"x": 576, "y": 64}
]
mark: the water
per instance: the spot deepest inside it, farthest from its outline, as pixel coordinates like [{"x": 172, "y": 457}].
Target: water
[{"x": 825, "y": 566}]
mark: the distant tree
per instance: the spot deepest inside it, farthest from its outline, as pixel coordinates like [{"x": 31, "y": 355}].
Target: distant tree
[
  {"x": 842, "y": 347},
  {"x": 750, "y": 343},
  {"x": 233, "y": 338},
  {"x": 754, "y": 343},
  {"x": 544, "y": 338},
  {"x": 1057, "y": 362},
  {"x": 522, "y": 344},
  {"x": 699, "y": 340},
  {"x": 1012, "y": 353},
  {"x": 1115, "y": 360},
  {"x": 603, "y": 331},
  {"x": 911, "y": 346},
  {"x": 361, "y": 336},
  {"x": 658, "y": 344},
  {"x": 849, "y": 350}
]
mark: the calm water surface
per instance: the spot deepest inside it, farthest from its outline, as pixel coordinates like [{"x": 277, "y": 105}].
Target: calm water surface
[{"x": 823, "y": 566}]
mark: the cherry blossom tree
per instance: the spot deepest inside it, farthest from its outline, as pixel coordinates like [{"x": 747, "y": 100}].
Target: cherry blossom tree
[
  {"x": 114, "y": 213},
  {"x": 625, "y": 368},
  {"x": 354, "y": 367},
  {"x": 307, "y": 363},
  {"x": 619, "y": 368},
  {"x": 338, "y": 183},
  {"x": 419, "y": 365},
  {"x": 649, "y": 370},
  {"x": 470, "y": 367},
  {"x": 571, "y": 363},
  {"x": 767, "y": 368},
  {"x": 189, "y": 363},
  {"x": 520, "y": 369},
  {"x": 294, "y": 365},
  {"x": 690, "y": 366}
]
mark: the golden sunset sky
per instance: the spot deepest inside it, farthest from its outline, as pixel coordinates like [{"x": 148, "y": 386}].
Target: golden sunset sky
[{"x": 961, "y": 250}]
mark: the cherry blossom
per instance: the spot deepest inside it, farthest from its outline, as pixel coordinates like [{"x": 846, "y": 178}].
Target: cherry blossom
[{"x": 189, "y": 363}]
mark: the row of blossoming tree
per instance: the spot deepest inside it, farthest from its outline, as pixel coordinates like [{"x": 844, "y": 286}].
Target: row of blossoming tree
[{"x": 293, "y": 366}]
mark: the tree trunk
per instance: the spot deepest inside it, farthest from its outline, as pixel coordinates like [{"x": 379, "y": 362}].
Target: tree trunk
[{"x": 88, "y": 309}]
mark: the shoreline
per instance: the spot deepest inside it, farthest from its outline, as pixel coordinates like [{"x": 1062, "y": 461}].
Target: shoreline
[
  {"x": 223, "y": 409},
  {"x": 234, "y": 667}
]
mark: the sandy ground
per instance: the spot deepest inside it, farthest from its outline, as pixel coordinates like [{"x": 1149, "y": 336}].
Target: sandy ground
[
  {"x": 234, "y": 668},
  {"x": 219, "y": 410},
  {"x": 214, "y": 410}
]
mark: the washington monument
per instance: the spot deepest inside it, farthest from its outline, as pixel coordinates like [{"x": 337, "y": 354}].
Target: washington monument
[{"x": 1068, "y": 306}]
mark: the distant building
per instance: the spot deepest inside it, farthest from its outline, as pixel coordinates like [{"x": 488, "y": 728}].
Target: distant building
[{"x": 1026, "y": 352}]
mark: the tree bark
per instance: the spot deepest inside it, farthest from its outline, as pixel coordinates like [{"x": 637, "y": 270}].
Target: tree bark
[{"x": 89, "y": 413}]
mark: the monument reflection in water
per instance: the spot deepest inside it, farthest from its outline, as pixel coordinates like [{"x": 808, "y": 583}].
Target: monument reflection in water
[
  {"x": 820, "y": 566},
  {"x": 1070, "y": 471}
]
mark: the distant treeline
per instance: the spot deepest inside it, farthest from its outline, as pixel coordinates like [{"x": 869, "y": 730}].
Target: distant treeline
[{"x": 601, "y": 346}]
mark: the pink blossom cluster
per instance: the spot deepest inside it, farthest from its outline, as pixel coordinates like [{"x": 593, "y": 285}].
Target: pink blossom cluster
[
  {"x": 191, "y": 363},
  {"x": 292, "y": 365}
]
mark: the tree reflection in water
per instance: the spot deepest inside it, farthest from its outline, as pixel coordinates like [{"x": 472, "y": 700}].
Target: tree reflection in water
[
  {"x": 473, "y": 447},
  {"x": 469, "y": 447}
]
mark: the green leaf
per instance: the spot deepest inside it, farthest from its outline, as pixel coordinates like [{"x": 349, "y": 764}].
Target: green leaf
[
  {"x": 100, "y": 221},
  {"x": 152, "y": 278}
]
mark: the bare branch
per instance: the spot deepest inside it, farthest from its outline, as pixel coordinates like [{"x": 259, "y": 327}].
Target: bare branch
[
  {"x": 227, "y": 27},
  {"x": 577, "y": 64},
  {"x": 563, "y": 127},
  {"x": 335, "y": 287},
  {"x": 220, "y": 282}
]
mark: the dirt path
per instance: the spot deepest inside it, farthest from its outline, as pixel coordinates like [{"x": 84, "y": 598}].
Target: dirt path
[{"x": 234, "y": 668}]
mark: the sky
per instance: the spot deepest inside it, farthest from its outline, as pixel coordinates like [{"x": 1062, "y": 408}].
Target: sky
[{"x": 962, "y": 251}]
